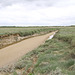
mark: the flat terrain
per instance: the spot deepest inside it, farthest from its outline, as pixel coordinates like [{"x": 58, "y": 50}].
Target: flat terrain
[{"x": 12, "y": 53}]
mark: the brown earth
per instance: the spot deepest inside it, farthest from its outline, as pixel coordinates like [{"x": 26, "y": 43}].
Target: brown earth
[
  {"x": 12, "y": 53},
  {"x": 6, "y": 40}
]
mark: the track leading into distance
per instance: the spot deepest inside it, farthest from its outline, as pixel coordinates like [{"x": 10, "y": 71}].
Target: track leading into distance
[{"x": 13, "y": 52}]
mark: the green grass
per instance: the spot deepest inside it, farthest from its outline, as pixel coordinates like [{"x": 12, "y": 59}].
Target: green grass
[
  {"x": 67, "y": 34},
  {"x": 14, "y": 73},
  {"x": 24, "y": 31}
]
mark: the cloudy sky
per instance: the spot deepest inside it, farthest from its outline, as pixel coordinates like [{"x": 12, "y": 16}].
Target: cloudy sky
[{"x": 37, "y": 12}]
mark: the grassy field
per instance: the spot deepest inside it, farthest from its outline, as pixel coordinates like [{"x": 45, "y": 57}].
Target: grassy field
[
  {"x": 55, "y": 57},
  {"x": 24, "y": 31}
]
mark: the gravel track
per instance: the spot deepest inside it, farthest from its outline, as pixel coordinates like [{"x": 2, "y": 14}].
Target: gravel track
[{"x": 13, "y": 52}]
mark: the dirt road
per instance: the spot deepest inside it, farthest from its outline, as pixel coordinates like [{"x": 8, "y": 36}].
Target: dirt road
[{"x": 14, "y": 52}]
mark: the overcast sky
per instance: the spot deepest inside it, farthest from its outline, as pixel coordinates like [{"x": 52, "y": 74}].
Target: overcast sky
[{"x": 37, "y": 12}]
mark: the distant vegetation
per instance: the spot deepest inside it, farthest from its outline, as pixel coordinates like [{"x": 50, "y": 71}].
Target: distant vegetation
[
  {"x": 24, "y": 31},
  {"x": 72, "y": 25}
]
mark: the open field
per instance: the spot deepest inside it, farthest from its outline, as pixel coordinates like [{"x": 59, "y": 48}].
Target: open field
[
  {"x": 24, "y": 31},
  {"x": 55, "y": 57}
]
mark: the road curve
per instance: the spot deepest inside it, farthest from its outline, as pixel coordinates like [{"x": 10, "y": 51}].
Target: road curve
[{"x": 14, "y": 52}]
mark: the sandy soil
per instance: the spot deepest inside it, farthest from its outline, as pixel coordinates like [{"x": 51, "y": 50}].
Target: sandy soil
[{"x": 13, "y": 52}]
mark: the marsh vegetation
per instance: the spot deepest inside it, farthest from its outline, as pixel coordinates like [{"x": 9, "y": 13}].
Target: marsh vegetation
[{"x": 55, "y": 57}]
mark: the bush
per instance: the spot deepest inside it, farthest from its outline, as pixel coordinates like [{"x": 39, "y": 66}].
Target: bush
[
  {"x": 73, "y": 42},
  {"x": 69, "y": 63},
  {"x": 15, "y": 73}
]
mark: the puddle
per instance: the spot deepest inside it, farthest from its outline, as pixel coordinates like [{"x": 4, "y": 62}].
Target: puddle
[{"x": 51, "y": 36}]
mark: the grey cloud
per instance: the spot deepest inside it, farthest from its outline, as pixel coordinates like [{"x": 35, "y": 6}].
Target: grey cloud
[
  {"x": 38, "y": 3},
  {"x": 30, "y": 2},
  {"x": 65, "y": 3},
  {"x": 53, "y": 12}
]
